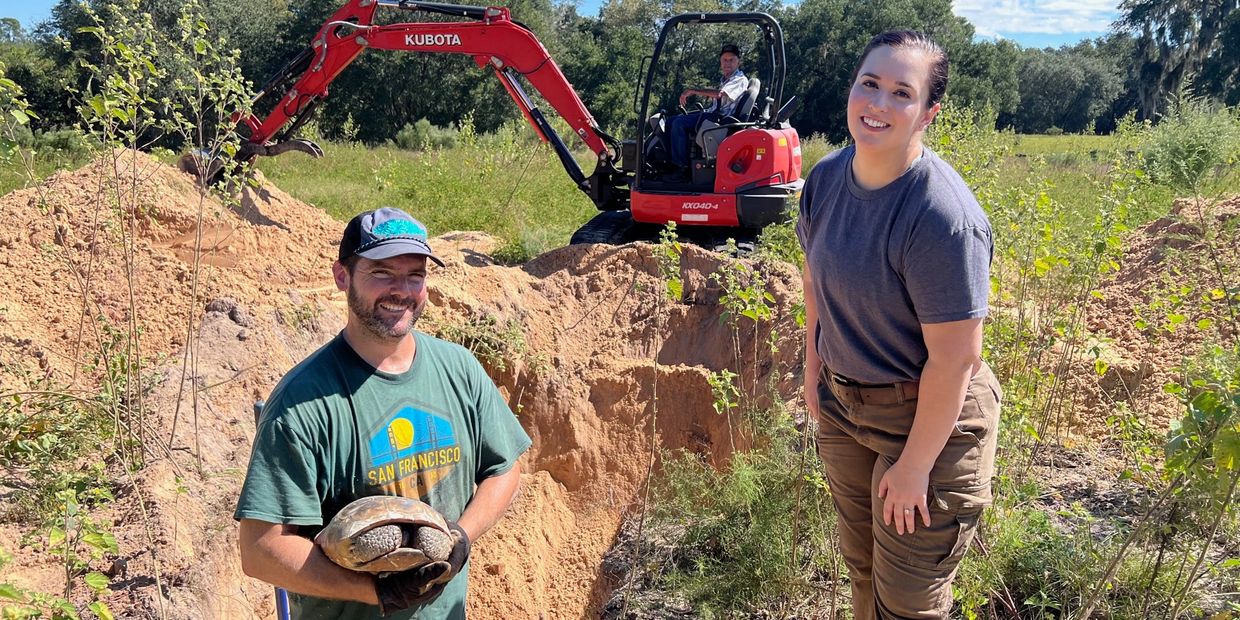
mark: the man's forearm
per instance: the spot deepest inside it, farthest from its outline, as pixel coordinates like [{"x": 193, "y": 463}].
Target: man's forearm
[
  {"x": 277, "y": 555},
  {"x": 491, "y": 499}
]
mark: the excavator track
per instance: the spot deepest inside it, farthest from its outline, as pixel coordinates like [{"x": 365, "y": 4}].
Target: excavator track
[
  {"x": 618, "y": 228},
  {"x": 614, "y": 228}
]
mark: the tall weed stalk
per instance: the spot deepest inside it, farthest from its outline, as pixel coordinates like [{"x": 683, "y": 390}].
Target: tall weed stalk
[{"x": 147, "y": 87}]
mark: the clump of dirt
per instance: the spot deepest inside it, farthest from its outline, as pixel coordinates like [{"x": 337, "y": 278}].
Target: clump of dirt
[
  {"x": 603, "y": 364},
  {"x": 1181, "y": 256}
]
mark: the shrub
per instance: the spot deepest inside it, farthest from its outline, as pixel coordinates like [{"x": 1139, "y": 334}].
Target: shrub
[
  {"x": 68, "y": 142},
  {"x": 1193, "y": 142},
  {"x": 422, "y": 136},
  {"x": 752, "y": 540}
]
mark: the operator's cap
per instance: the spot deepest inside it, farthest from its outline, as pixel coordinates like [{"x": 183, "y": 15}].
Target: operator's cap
[
  {"x": 730, "y": 47},
  {"x": 384, "y": 233}
]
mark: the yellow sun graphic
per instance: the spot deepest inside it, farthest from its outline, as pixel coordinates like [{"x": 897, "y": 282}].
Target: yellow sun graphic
[{"x": 400, "y": 431}]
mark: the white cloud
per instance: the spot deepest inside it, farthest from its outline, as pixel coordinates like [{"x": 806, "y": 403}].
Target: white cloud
[{"x": 995, "y": 18}]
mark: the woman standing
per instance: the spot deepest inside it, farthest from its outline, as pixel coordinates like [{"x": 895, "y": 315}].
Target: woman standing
[{"x": 896, "y": 283}]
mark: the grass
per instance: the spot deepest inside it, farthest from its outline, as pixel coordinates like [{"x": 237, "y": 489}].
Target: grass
[
  {"x": 13, "y": 175},
  {"x": 506, "y": 184},
  {"x": 1080, "y": 144}
]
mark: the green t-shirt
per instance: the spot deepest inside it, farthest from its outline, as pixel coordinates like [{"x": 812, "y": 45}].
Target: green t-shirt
[{"x": 336, "y": 429}]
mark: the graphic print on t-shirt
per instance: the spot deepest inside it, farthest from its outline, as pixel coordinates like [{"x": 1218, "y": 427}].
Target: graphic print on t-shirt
[{"x": 411, "y": 451}]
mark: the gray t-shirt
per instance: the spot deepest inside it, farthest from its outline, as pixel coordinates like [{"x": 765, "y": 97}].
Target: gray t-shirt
[{"x": 884, "y": 262}]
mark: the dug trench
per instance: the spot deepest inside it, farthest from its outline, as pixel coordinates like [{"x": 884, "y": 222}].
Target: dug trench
[{"x": 602, "y": 371}]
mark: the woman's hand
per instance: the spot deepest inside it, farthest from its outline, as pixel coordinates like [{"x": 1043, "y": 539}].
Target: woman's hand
[
  {"x": 811, "y": 395},
  {"x": 903, "y": 489}
]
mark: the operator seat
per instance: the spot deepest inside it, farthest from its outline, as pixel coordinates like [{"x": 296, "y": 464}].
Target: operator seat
[
  {"x": 710, "y": 132},
  {"x": 745, "y": 103}
]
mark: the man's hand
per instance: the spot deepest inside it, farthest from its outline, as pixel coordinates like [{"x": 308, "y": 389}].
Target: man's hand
[
  {"x": 416, "y": 586},
  {"x": 424, "y": 584},
  {"x": 684, "y": 96}
]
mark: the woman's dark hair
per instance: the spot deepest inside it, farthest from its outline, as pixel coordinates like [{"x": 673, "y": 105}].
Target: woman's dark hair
[{"x": 912, "y": 39}]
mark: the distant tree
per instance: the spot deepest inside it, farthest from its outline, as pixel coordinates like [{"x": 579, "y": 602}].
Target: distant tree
[
  {"x": 259, "y": 28},
  {"x": 1220, "y": 74},
  {"x": 1174, "y": 41},
  {"x": 11, "y": 31},
  {"x": 1068, "y": 88},
  {"x": 601, "y": 60},
  {"x": 987, "y": 74},
  {"x": 1118, "y": 49},
  {"x": 42, "y": 79}
]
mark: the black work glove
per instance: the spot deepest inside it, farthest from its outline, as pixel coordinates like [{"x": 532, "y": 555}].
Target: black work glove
[
  {"x": 419, "y": 586},
  {"x": 416, "y": 586},
  {"x": 460, "y": 549}
]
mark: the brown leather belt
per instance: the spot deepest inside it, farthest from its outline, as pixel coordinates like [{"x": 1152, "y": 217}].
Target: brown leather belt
[{"x": 852, "y": 392}]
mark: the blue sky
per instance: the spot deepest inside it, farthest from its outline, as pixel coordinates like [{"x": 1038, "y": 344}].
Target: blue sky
[{"x": 1031, "y": 23}]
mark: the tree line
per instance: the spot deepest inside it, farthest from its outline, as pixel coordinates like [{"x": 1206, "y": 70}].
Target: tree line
[{"x": 1157, "y": 50}]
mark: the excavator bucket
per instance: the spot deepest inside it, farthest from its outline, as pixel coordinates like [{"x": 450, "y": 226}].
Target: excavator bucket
[{"x": 202, "y": 165}]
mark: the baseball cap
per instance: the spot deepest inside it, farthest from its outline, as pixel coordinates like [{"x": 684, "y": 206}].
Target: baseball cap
[
  {"x": 729, "y": 47},
  {"x": 384, "y": 233}
]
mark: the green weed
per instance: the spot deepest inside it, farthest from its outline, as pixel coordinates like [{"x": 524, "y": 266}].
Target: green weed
[
  {"x": 746, "y": 304},
  {"x": 779, "y": 242},
  {"x": 77, "y": 540},
  {"x": 497, "y": 345},
  {"x": 753, "y": 538},
  {"x": 45, "y": 429},
  {"x": 668, "y": 253}
]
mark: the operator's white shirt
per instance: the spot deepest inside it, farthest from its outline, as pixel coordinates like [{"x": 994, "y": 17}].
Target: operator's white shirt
[{"x": 731, "y": 90}]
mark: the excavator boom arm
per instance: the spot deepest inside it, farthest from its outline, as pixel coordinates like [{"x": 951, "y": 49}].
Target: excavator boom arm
[{"x": 493, "y": 41}]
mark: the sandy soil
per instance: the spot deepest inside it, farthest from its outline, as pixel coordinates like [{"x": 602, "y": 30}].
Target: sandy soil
[
  {"x": 599, "y": 346},
  {"x": 1167, "y": 259}
]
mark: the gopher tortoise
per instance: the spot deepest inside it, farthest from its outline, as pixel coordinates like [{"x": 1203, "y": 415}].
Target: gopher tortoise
[{"x": 386, "y": 534}]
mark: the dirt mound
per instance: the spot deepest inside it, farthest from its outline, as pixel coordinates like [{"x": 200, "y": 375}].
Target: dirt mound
[
  {"x": 1158, "y": 309},
  {"x": 584, "y": 379}
]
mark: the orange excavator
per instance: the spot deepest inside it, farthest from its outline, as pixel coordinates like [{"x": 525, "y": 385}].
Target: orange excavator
[{"x": 746, "y": 167}]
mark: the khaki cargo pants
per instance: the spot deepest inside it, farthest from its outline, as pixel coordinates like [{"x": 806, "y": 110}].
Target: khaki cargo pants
[{"x": 906, "y": 576}]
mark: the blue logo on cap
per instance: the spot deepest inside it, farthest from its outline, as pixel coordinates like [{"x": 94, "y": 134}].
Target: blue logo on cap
[{"x": 399, "y": 228}]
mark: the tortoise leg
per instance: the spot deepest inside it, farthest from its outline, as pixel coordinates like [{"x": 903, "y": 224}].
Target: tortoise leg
[
  {"x": 377, "y": 542},
  {"x": 434, "y": 543}
]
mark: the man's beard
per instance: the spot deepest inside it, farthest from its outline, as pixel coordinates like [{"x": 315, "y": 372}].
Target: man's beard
[{"x": 378, "y": 326}]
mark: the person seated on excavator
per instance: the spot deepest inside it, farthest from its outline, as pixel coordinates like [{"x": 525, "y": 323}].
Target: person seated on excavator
[{"x": 724, "y": 99}]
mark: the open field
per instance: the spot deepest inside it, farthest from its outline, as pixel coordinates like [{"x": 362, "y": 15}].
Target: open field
[
  {"x": 1062, "y": 144},
  {"x": 505, "y": 184},
  {"x": 1105, "y": 291}
]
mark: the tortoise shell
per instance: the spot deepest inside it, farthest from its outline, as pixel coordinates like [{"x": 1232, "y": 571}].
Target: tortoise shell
[{"x": 385, "y": 534}]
